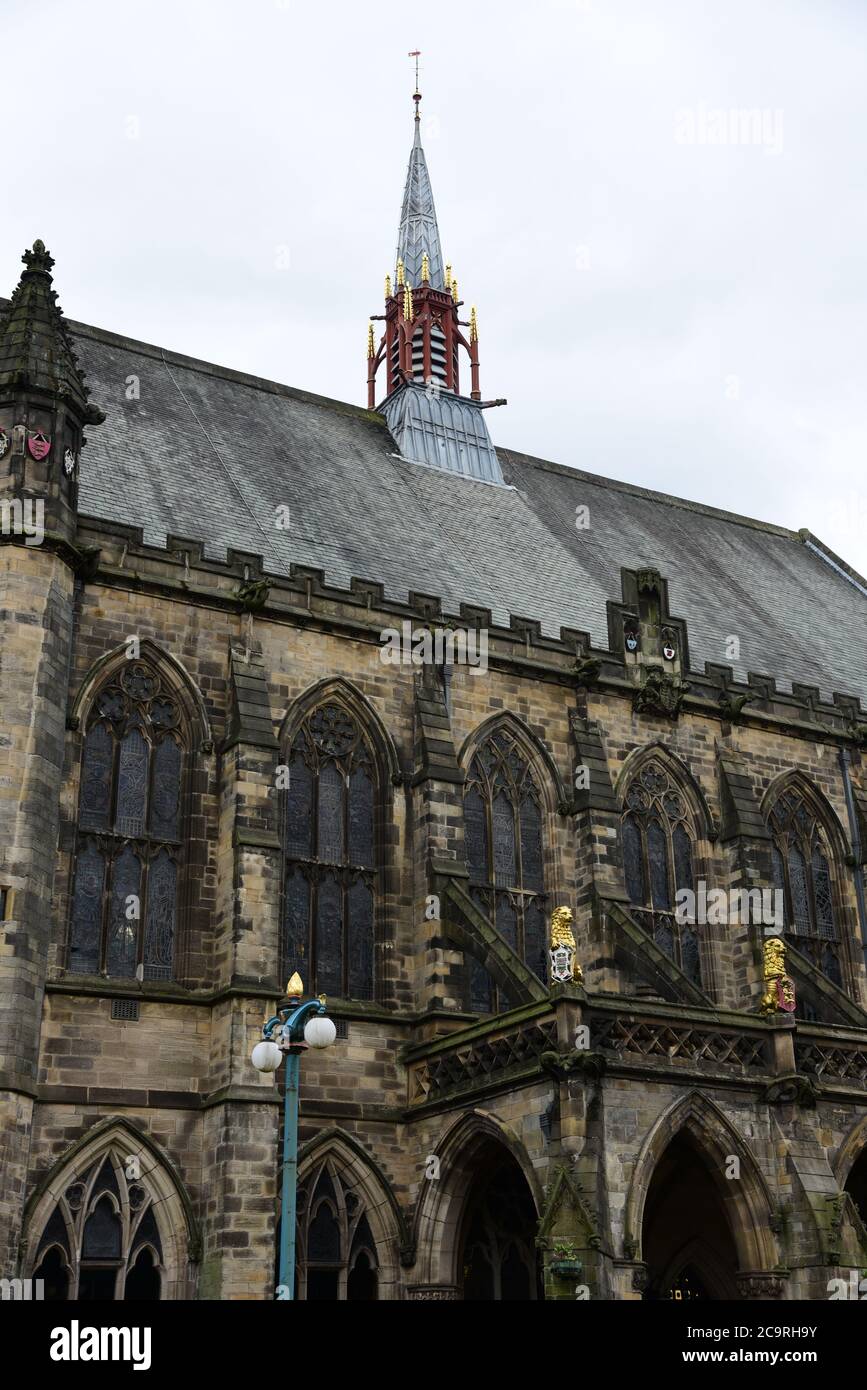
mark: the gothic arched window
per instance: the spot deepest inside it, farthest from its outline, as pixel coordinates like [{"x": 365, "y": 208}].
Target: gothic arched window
[
  {"x": 336, "y": 1250},
  {"x": 503, "y": 819},
  {"x": 657, "y": 836},
  {"x": 101, "y": 1240},
  {"x": 128, "y": 853},
  {"x": 802, "y": 873},
  {"x": 329, "y": 839}
]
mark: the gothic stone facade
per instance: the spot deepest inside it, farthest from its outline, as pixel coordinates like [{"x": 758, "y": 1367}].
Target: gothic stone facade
[{"x": 474, "y": 1132}]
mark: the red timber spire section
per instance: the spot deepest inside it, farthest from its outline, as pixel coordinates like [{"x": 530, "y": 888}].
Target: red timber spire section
[{"x": 424, "y": 332}]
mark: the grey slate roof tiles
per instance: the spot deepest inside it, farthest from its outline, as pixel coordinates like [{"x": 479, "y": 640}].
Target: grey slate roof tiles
[{"x": 359, "y": 511}]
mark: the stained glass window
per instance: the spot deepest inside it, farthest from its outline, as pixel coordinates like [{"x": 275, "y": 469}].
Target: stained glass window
[
  {"x": 657, "y": 835},
  {"x": 128, "y": 851},
  {"x": 329, "y": 841},
  {"x": 505, "y": 857},
  {"x": 802, "y": 874}
]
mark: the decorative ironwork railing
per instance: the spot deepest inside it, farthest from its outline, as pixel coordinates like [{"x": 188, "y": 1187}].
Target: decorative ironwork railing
[
  {"x": 838, "y": 1061},
  {"x": 681, "y": 1042},
  {"x": 470, "y": 1064}
]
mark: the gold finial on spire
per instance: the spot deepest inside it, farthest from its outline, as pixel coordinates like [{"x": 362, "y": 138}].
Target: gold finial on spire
[
  {"x": 474, "y": 325},
  {"x": 371, "y": 342},
  {"x": 407, "y": 303},
  {"x": 295, "y": 987},
  {"x": 425, "y": 269},
  {"x": 448, "y": 277},
  {"x": 388, "y": 287},
  {"x": 455, "y": 288},
  {"x": 401, "y": 280}
]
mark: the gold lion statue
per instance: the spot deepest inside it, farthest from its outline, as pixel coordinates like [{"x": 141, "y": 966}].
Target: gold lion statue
[{"x": 562, "y": 939}]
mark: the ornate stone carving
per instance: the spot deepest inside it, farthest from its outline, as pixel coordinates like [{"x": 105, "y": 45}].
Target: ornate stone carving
[
  {"x": 763, "y": 1284},
  {"x": 661, "y": 693},
  {"x": 434, "y": 1293}
]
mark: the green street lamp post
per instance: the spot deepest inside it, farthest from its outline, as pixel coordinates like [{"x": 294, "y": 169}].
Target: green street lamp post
[{"x": 295, "y": 1027}]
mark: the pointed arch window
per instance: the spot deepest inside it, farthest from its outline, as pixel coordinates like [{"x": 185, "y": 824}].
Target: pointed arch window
[
  {"x": 102, "y": 1240},
  {"x": 129, "y": 848},
  {"x": 503, "y": 819},
  {"x": 657, "y": 837},
  {"x": 337, "y": 1259},
  {"x": 802, "y": 868},
  {"x": 330, "y": 847}
]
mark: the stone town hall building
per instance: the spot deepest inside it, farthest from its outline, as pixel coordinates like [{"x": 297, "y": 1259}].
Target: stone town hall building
[{"x": 664, "y": 696}]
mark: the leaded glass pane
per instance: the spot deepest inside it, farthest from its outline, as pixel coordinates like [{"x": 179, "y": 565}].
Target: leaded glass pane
[
  {"x": 166, "y": 792},
  {"x": 683, "y": 874},
  {"x": 481, "y": 988},
  {"x": 831, "y": 966},
  {"x": 690, "y": 960},
  {"x": 296, "y": 921},
  {"x": 503, "y": 818},
  {"x": 331, "y": 790},
  {"x": 778, "y": 869},
  {"x": 360, "y": 818},
  {"x": 663, "y": 936},
  {"x": 102, "y": 1234},
  {"x": 124, "y": 916},
  {"x": 476, "y": 837},
  {"x": 507, "y": 920},
  {"x": 87, "y": 911},
  {"x": 360, "y": 944},
  {"x": 132, "y": 783},
  {"x": 657, "y": 855},
  {"x": 798, "y": 886},
  {"x": 329, "y": 937},
  {"x": 822, "y": 895},
  {"x": 536, "y": 940},
  {"x": 531, "y": 846},
  {"x": 323, "y": 1237},
  {"x": 299, "y": 809},
  {"x": 160, "y": 930},
  {"x": 633, "y": 861},
  {"x": 147, "y": 1232},
  {"x": 95, "y": 803}
]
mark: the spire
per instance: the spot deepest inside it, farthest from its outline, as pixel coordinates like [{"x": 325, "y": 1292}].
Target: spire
[
  {"x": 418, "y": 234},
  {"x": 35, "y": 348}
]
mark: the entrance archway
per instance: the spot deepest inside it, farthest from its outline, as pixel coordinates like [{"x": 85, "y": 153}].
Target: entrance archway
[
  {"x": 497, "y": 1241},
  {"x": 688, "y": 1245}
]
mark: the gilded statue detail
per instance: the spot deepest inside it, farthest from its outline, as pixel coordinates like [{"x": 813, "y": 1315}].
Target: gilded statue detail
[{"x": 563, "y": 951}]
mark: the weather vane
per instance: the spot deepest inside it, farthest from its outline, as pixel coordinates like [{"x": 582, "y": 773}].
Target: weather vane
[{"x": 416, "y": 54}]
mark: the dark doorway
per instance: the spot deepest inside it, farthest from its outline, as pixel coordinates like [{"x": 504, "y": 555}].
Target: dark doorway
[
  {"x": 96, "y": 1284},
  {"x": 688, "y": 1244},
  {"x": 55, "y": 1275},
  {"x": 143, "y": 1280},
  {"x": 498, "y": 1260},
  {"x": 856, "y": 1185}
]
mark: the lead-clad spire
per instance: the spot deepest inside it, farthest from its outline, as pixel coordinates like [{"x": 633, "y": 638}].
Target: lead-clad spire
[
  {"x": 425, "y": 337},
  {"x": 418, "y": 234}
]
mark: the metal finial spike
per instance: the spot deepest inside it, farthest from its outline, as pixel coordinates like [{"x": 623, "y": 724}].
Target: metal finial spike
[
  {"x": 474, "y": 325},
  {"x": 454, "y": 289},
  {"x": 400, "y": 274},
  {"x": 371, "y": 342},
  {"x": 448, "y": 277},
  {"x": 425, "y": 269},
  {"x": 388, "y": 287},
  {"x": 295, "y": 986},
  {"x": 407, "y": 303}
]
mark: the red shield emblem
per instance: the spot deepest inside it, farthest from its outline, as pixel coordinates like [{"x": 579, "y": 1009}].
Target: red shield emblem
[
  {"x": 786, "y": 994},
  {"x": 38, "y": 444}
]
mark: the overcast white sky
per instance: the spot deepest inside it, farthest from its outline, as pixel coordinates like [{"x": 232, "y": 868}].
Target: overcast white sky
[{"x": 224, "y": 178}]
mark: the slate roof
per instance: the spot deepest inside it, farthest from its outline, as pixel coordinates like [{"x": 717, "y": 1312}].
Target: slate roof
[{"x": 209, "y": 454}]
